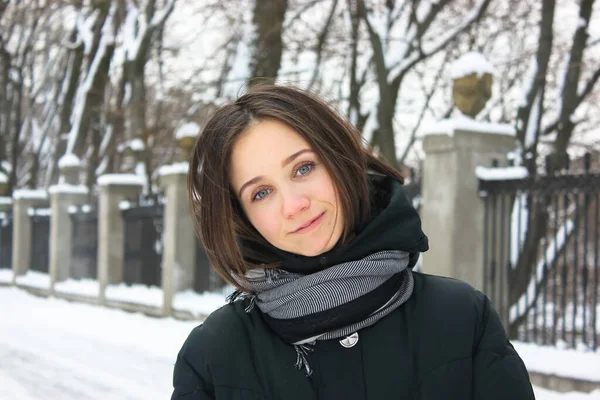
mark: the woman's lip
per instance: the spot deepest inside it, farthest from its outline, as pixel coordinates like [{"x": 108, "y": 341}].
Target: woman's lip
[{"x": 313, "y": 224}]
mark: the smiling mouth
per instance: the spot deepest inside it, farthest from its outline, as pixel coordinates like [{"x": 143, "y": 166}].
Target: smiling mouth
[{"x": 310, "y": 225}]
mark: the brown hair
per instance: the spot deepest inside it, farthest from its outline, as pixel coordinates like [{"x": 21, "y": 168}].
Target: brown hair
[{"x": 219, "y": 219}]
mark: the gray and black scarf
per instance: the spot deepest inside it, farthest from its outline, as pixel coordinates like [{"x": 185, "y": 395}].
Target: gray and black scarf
[
  {"x": 332, "y": 303},
  {"x": 349, "y": 288}
]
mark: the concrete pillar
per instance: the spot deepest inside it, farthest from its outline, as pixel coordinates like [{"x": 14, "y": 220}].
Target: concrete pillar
[
  {"x": 453, "y": 212},
  {"x": 61, "y": 229},
  {"x": 114, "y": 188},
  {"x": 179, "y": 240},
  {"x": 23, "y": 200}
]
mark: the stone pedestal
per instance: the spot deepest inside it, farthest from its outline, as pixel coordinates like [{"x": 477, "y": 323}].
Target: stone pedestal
[
  {"x": 61, "y": 230},
  {"x": 179, "y": 251},
  {"x": 453, "y": 211},
  {"x": 114, "y": 188},
  {"x": 23, "y": 201}
]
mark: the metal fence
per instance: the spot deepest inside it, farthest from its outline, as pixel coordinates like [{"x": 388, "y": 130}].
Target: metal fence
[
  {"x": 84, "y": 251},
  {"x": 6, "y": 235},
  {"x": 143, "y": 220},
  {"x": 40, "y": 239},
  {"x": 541, "y": 260}
]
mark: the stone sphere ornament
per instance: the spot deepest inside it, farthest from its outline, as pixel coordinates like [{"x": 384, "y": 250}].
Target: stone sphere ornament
[{"x": 473, "y": 77}]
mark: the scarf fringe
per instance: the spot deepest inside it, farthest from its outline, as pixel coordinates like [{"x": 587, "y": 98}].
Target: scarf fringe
[
  {"x": 302, "y": 351},
  {"x": 238, "y": 295}
]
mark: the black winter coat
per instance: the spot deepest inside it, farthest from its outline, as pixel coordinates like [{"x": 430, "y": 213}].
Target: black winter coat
[{"x": 446, "y": 342}]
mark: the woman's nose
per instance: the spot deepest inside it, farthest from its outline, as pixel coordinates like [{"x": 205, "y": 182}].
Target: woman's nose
[{"x": 294, "y": 202}]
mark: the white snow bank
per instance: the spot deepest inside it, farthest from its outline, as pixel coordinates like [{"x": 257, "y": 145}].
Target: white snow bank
[
  {"x": 41, "y": 194},
  {"x": 449, "y": 126},
  {"x": 198, "y": 304},
  {"x": 139, "y": 294},
  {"x": 545, "y": 394},
  {"x": 34, "y": 279},
  {"x": 6, "y": 274},
  {"x": 174, "y": 169},
  {"x": 3, "y": 178},
  {"x": 67, "y": 188},
  {"x": 471, "y": 63},
  {"x": 501, "y": 174},
  {"x": 564, "y": 363},
  {"x": 81, "y": 287},
  {"x": 6, "y": 200},
  {"x": 69, "y": 160},
  {"x": 121, "y": 179},
  {"x": 190, "y": 129}
]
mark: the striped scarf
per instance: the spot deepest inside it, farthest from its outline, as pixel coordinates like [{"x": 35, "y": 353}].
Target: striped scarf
[{"x": 332, "y": 303}]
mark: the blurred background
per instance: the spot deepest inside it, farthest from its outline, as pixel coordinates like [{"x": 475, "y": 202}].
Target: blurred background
[{"x": 491, "y": 109}]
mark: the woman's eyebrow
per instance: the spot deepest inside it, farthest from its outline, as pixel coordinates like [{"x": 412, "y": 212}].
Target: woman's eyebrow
[
  {"x": 293, "y": 157},
  {"x": 285, "y": 162}
]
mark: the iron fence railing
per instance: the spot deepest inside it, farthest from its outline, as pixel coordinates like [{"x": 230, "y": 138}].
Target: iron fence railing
[{"x": 541, "y": 257}]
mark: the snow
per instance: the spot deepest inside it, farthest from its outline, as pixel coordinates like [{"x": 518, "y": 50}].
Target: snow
[
  {"x": 190, "y": 129},
  {"x": 121, "y": 179},
  {"x": 449, "y": 126},
  {"x": 136, "y": 293},
  {"x": 564, "y": 363},
  {"x": 81, "y": 287},
  {"x": 471, "y": 63},
  {"x": 67, "y": 188},
  {"x": 34, "y": 279},
  {"x": 518, "y": 225},
  {"x": 3, "y": 178},
  {"x": 4, "y": 200},
  {"x": 501, "y": 174},
  {"x": 198, "y": 304},
  {"x": 174, "y": 169},
  {"x": 137, "y": 145},
  {"x": 85, "y": 30},
  {"x": 582, "y": 23},
  {"x": 39, "y": 211},
  {"x": 124, "y": 205},
  {"x": 6, "y": 275},
  {"x": 69, "y": 160},
  {"x": 529, "y": 80},
  {"x": 55, "y": 349},
  {"x": 39, "y": 194}
]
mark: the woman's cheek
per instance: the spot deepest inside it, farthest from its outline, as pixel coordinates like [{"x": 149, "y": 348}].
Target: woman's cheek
[{"x": 265, "y": 222}]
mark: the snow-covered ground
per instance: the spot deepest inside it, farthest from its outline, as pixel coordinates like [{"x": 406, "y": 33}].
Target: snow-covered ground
[{"x": 55, "y": 349}]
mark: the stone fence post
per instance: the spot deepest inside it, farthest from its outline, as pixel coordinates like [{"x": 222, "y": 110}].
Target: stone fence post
[
  {"x": 179, "y": 239},
  {"x": 452, "y": 211},
  {"x": 24, "y": 199},
  {"x": 61, "y": 230},
  {"x": 114, "y": 188}
]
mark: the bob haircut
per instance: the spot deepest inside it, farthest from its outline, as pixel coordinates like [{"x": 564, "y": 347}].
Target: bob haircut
[{"x": 219, "y": 219}]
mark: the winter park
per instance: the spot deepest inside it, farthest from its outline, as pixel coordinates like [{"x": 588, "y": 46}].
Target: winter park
[{"x": 490, "y": 110}]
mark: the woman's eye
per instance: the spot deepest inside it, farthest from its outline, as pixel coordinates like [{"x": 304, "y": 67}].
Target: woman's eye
[
  {"x": 304, "y": 169},
  {"x": 261, "y": 194}
]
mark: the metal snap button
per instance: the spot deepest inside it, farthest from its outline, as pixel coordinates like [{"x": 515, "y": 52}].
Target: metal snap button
[{"x": 350, "y": 341}]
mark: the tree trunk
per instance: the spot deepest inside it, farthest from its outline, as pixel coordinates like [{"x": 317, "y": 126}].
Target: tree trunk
[
  {"x": 268, "y": 46},
  {"x": 64, "y": 122}
]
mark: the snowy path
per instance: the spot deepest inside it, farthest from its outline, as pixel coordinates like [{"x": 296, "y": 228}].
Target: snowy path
[{"x": 54, "y": 349}]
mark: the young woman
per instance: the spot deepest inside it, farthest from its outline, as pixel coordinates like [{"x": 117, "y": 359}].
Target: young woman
[{"x": 320, "y": 240}]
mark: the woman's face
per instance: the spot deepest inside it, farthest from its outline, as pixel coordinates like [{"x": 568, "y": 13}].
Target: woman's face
[{"x": 285, "y": 190}]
